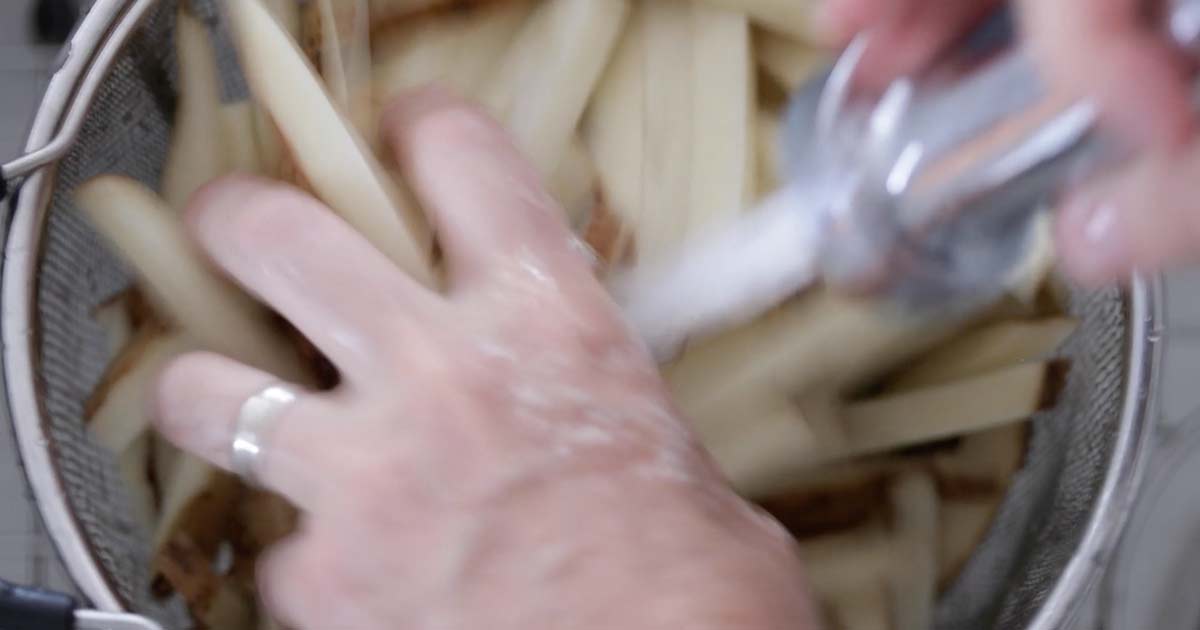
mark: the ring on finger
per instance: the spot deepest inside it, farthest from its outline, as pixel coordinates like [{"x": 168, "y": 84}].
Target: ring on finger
[{"x": 255, "y": 416}]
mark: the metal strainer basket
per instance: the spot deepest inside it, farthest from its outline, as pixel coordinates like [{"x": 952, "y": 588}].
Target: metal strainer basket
[{"x": 109, "y": 108}]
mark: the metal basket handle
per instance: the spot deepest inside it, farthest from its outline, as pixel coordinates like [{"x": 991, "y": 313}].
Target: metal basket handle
[
  {"x": 33, "y": 609},
  {"x": 82, "y": 67}
]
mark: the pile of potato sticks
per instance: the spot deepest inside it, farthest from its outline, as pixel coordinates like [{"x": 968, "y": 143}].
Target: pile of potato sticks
[{"x": 885, "y": 442}]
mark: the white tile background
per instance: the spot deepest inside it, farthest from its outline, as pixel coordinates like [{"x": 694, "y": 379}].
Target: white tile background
[{"x": 25, "y": 553}]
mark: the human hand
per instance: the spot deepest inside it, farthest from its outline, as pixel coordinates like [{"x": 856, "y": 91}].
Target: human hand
[
  {"x": 1143, "y": 217},
  {"x": 502, "y": 455}
]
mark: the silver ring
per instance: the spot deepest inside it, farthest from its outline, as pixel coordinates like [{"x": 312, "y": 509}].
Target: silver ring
[{"x": 253, "y": 419}]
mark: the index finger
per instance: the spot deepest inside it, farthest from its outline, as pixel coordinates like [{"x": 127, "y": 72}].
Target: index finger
[{"x": 486, "y": 201}]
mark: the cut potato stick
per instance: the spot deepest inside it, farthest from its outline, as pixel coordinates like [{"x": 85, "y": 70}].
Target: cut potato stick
[
  {"x": 335, "y": 160},
  {"x": 913, "y": 583},
  {"x": 988, "y": 348},
  {"x": 287, "y": 12},
  {"x": 345, "y": 54},
  {"x": 194, "y": 158},
  {"x": 881, "y": 425},
  {"x": 985, "y": 460},
  {"x": 197, "y": 501},
  {"x": 770, "y": 157},
  {"x": 134, "y": 465},
  {"x": 843, "y": 562},
  {"x": 935, "y": 413},
  {"x": 817, "y": 341},
  {"x": 723, "y": 157},
  {"x": 865, "y": 608},
  {"x": 674, "y": 148},
  {"x": 1027, "y": 278},
  {"x": 384, "y": 11},
  {"x": 239, "y": 137},
  {"x": 229, "y": 609},
  {"x": 780, "y": 434},
  {"x": 574, "y": 184},
  {"x": 455, "y": 48},
  {"x": 117, "y": 414},
  {"x": 268, "y": 144},
  {"x": 962, "y": 526},
  {"x": 152, "y": 239},
  {"x": 116, "y": 319},
  {"x": 660, "y": 217},
  {"x": 788, "y": 61},
  {"x": 540, "y": 89},
  {"x": 789, "y": 17}
]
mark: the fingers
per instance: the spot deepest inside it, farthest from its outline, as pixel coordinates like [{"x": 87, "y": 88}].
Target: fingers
[
  {"x": 906, "y": 35},
  {"x": 1144, "y": 218},
  {"x": 198, "y": 401},
  {"x": 1106, "y": 50},
  {"x": 485, "y": 199},
  {"x": 312, "y": 267},
  {"x": 908, "y": 41}
]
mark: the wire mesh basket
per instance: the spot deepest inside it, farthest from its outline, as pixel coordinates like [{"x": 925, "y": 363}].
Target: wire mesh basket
[{"x": 109, "y": 109}]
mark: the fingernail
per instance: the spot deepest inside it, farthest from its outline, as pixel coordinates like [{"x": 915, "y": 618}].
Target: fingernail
[{"x": 1094, "y": 239}]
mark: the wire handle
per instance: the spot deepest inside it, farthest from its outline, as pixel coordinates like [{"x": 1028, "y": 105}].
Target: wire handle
[{"x": 82, "y": 68}]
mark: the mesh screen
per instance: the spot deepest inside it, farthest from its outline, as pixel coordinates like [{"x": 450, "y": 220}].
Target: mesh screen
[{"x": 1036, "y": 533}]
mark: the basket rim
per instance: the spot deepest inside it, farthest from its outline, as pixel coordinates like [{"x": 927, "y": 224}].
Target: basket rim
[{"x": 19, "y": 385}]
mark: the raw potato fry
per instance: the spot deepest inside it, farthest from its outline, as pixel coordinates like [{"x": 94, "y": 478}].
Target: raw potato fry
[
  {"x": 880, "y": 425},
  {"x": 962, "y": 525},
  {"x": 134, "y": 465},
  {"x": 268, "y": 144},
  {"x": 383, "y": 11},
  {"x": 335, "y": 160},
  {"x": 986, "y": 460},
  {"x": 345, "y": 54},
  {"x": 782, "y": 433},
  {"x": 196, "y": 501},
  {"x": 117, "y": 413},
  {"x": 574, "y": 184},
  {"x": 1028, "y": 277},
  {"x": 287, "y": 12},
  {"x": 789, "y": 17},
  {"x": 151, "y": 237},
  {"x": 841, "y": 563},
  {"x": 455, "y": 48},
  {"x": 674, "y": 147},
  {"x": 934, "y": 413},
  {"x": 863, "y": 609},
  {"x": 915, "y": 545},
  {"x": 229, "y": 609},
  {"x": 194, "y": 158},
  {"x": 788, "y": 61},
  {"x": 239, "y": 137},
  {"x": 816, "y": 341},
  {"x": 989, "y": 348},
  {"x": 540, "y": 89},
  {"x": 723, "y": 158},
  {"x": 115, "y": 318},
  {"x": 770, "y": 154}
]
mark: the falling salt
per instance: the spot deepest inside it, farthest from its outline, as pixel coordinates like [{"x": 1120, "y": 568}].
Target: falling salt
[{"x": 727, "y": 277}]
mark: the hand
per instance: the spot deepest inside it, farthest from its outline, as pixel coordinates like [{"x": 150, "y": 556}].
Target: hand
[
  {"x": 1144, "y": 217},
  {"x": 502, "y": 455}
]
